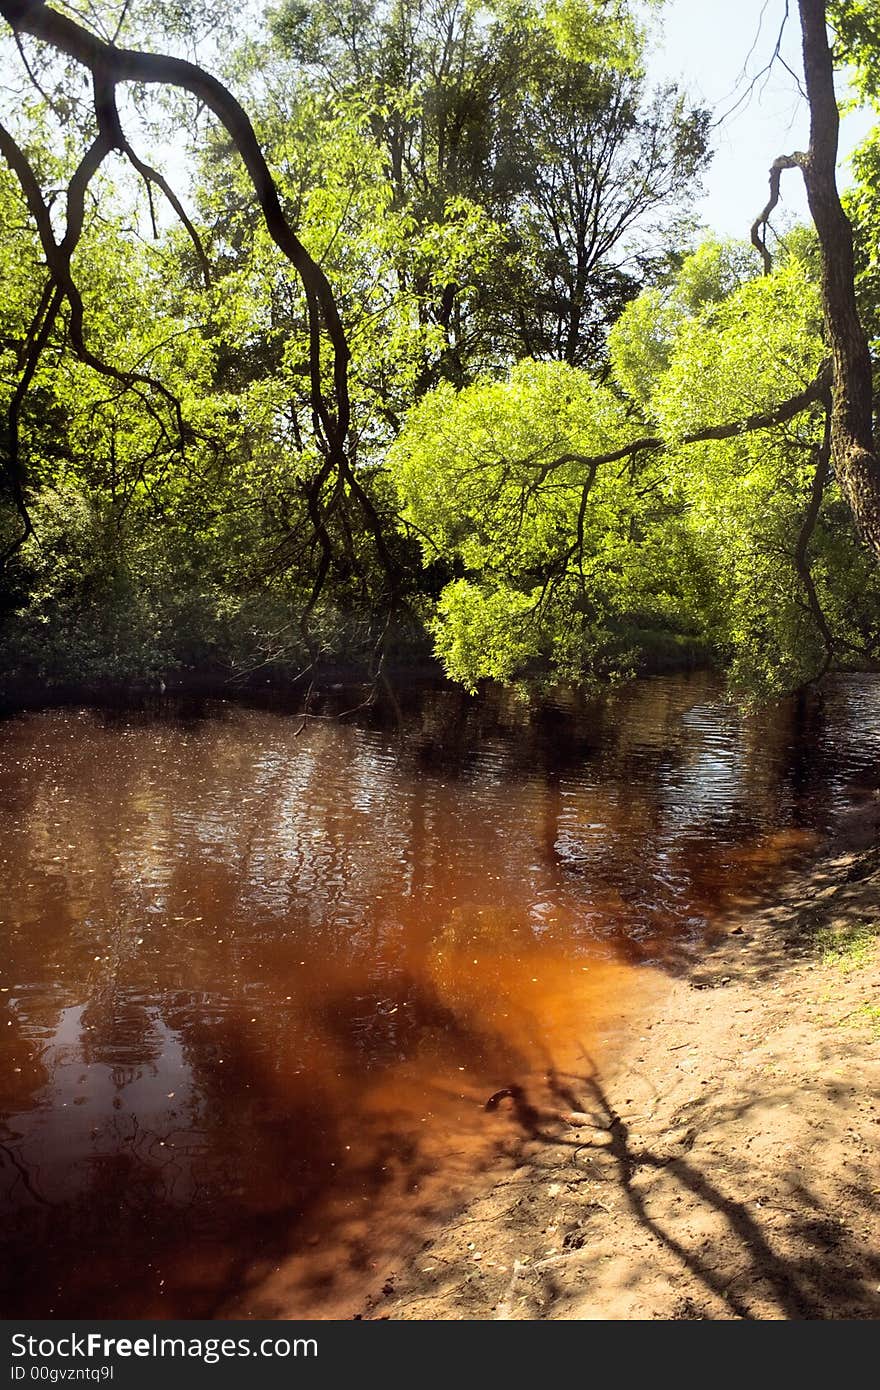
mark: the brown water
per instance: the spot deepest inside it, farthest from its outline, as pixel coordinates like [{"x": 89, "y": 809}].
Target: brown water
[{"x": 258, "y": 984}]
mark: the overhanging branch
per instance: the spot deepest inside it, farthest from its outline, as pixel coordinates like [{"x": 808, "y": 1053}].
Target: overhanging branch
[
  {"x": 329, "y": 353},
  {"x": 817, "y": 390},
  {"x": 759, "y": 226},
  {"x": 58, "y": 255},
  {"x": 110, "y": 65}
]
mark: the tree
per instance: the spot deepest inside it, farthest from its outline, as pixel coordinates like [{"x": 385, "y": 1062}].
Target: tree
[
  {"x": 535, "y": 113},
  {"x": 574, "y": 491},
  {"x": 334, "y": 488},
  {"x": 853, "y": 449},
  {"x": 582, "y": 552},
  {"x": 842, "y": 450},
  {"x": 109, "y": 67}
]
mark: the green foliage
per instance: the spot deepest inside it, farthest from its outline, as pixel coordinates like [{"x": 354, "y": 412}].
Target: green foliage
[
  {"x": 568, "y": 563},
  {"x": 863, "y": 209},
  {"x": 535, "y": 118},
  {"x": 850, "y": 948},
  {"x": 560, "y": 561},
  {"x": 640, "y": 343},
  {"x": 856, "y": 26},
  {"x": 739, "y": 355},
  {"x": 477, "y": 181}
]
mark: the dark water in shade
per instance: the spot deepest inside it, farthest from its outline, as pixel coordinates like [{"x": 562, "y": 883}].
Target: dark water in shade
[{"x": 256, "y": 986}]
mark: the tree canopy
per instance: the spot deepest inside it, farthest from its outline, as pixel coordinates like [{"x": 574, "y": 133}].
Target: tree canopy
[{"x": 426, "y": 353}]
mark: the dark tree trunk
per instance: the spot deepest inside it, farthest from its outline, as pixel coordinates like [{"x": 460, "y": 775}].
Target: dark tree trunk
[{"x": 853, "y": 451}]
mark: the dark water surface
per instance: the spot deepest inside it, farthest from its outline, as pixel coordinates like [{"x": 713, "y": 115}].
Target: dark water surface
[{"x": 257, "y": 985}]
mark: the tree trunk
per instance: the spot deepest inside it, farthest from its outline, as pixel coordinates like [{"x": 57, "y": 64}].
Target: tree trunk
[{"x": 853, "y": 452}]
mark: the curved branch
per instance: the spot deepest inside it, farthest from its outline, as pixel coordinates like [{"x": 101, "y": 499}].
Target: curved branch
[
  {"x": 817, "y": 390},
  {"x": 36, "y": 339},
  {"x": 113, "y": 65},
  {"x": 150, "y": 176},
  {"x": 110, "y": 66},
  {"x": 58, "y": 254},
  {"x": 759, "y": 226},
  {"x": 110, "y": 125}
]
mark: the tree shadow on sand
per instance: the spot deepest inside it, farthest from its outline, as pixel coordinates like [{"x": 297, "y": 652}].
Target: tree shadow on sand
[{"x": 726, "y": 1250}]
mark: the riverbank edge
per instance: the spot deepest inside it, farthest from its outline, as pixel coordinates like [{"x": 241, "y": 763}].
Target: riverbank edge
[
  {"x": 291, "y": 685},
  {"x": 406, "y": 663},
  {"x": 721, "y": 1165},
  {"x": 290, "y": 689}
]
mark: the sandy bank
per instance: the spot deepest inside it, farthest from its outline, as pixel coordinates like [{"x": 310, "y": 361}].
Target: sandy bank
[{"x": 724, "y": 1164}]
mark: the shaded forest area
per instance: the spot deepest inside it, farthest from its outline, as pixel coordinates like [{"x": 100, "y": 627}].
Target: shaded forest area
[{"x": 427, "y": 357}]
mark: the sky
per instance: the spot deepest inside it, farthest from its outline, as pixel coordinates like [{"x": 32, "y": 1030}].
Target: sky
[
  {"x": 705, "y": 46},
  {"x": 716, "y": 50}
]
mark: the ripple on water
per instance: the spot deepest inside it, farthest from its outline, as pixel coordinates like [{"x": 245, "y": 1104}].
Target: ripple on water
[{"x": 256, "y": 985}]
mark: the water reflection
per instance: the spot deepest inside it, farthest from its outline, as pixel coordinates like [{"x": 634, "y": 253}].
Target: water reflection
[{"x": 256, "y": 986}]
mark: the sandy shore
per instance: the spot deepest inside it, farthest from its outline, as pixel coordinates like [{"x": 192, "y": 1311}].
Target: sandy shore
[{"x": 723, "y": 1164}]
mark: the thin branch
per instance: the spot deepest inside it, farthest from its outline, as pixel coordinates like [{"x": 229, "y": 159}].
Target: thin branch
[
  {"x": 109, "y": 122},
  {"x": 58, "y": 258},
  {"x": 763, "y": 72},
  {"x": 152, "y": 176},
  {"x": 122, "y": 18},
  {"x": 817, "y": 390},
  {"x": 35, "y": 81},
  {"x": 759, "y": 226}
]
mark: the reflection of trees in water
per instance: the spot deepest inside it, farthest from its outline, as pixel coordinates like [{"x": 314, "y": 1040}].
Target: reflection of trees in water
[
  {"x": 263, "y": 932},
  {"x": 318, "y": 831},
  {"x": 119, "y": 1032},
  {"x": 241, "y": 1170}
]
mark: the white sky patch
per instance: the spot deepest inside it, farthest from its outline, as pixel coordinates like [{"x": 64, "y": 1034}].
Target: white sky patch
[{"x": 705, "y": 46}]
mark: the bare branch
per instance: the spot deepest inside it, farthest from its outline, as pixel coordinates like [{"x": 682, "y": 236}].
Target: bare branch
[
  {"x": 763, "y": 73},
  {"x": 759, "y": 226}
]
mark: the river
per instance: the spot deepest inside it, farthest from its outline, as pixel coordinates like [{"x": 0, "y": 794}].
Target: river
[{"x": 259, "y": 979}]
